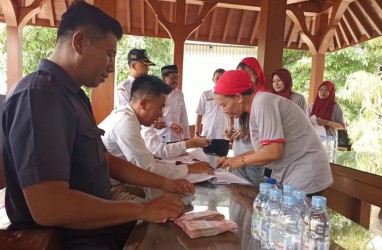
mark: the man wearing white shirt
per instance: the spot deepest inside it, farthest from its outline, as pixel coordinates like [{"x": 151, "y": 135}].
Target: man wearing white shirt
[
  {"x": 139, "y": 65},
  {"x": 122, "y": 130},
  {"x": 174, "y": 113},
  {"x": 210, "y": 114}
]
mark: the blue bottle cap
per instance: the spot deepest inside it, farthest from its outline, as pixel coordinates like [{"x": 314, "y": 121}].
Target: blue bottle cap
[
  {"x": 264, "y": 187},
  {"x": 271, "y": 181},
  {"x": 318, "y": 201},
  {"x": 290, "y": 200},
  {"x": 299, "y": 194},
  {"x": 288, "y": 188}
]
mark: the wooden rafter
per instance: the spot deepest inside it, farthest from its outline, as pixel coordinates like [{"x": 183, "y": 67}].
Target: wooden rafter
[
  {"x": 352, "y": 11},
  {"x": 156, "y": 28},
  {"x": 171, "y": 17},
  {"x": 227, "y": 25},
  {"x": 367, "y": 11},
  {"x": 142, "y": 5},
  {"x": 197, "y": 30},
  {"x": 241, "y": 27},
  {"x": 298, "y": 18},
  {"x": 255, "y": 28},
  {"x": 337, "y": 40},
  {"x": 10, "y": 12},
  {"x": 128, "y": 16},
  {"x": 337, "y": 11},
  {"x": 344, "y": 34},
  {"x": 52, "y": 16},
  {"x": 26, "y": 13},
  {"x": 213, "y": 22},
  {"x": 291, "y": 30},
  {"x": 351, "y": 27}
]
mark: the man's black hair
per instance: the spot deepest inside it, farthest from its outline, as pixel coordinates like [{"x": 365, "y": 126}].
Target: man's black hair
[
  {"x": 148, "y": 85},
  {"x": 220, "y": 71},
  {"x": 90, "y": 19}
]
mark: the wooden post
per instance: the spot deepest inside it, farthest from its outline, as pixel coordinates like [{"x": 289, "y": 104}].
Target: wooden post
[
  {"x": 14, "y": 55},
  {"x": 316, "y": 75},
  {"x": 271, "y": 36},
  {"x": 103, "y": 95}
]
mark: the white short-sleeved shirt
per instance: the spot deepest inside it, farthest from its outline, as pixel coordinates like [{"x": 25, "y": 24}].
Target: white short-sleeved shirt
[
  {"x": 214, "y": 120},
  {"x": 300, "y": 101},
  {"x": 123, "y": 139},
  {"x": 337, "y": 117},
  {"x": 124, "y": 91},
  {"x": 159, "y": 148},
  {"x": 174, "y": 112},
  {"x": 305, "y": 163}
]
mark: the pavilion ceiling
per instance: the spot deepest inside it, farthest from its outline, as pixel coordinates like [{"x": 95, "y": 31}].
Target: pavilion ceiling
[{"x": 338, "y": 23}]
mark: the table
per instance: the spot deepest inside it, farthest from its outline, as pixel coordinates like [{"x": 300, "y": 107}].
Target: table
[{"x": 234, "y": 201}]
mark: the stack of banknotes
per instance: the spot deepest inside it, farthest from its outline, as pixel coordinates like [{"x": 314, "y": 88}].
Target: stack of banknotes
[{"x": 205, "y": 223}]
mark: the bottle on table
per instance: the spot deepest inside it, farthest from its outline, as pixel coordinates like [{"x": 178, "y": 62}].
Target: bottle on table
[
  {"x": 289, "y": 226},
  {"x": 270, "y": 212},
  {"x": 257, "y": 216},
  {"x": 273, "y": 182},
  {"x": 301, "y": 205},
  {"x": 317, "y": 226},
  {"x": 288, "y": 189}
]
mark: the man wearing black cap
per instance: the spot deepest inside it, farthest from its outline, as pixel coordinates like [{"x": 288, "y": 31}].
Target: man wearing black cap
[
  {"x": 174, "y": 113},
  {"x": 139, "y": 65}
]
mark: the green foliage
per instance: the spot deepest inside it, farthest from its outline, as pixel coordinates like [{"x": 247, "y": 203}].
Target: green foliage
[
  {"x": 159, "y": 50},
  {"x": 38, "y": 43}
]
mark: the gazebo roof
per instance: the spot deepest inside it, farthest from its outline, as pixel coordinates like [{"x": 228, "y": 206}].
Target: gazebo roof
[{"x": 308, "y": 24}]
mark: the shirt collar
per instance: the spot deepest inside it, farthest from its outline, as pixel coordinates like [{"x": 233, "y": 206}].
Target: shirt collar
[{"x": 60, "y": 75}]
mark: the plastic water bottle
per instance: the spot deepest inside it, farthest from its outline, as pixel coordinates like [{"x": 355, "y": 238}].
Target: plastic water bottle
[
  {"x": 289, "y": 226},
  {"x": 270, "y": 212},
  {"x": 288, "y": 189},
  {"x": 317, "y": 226},
  {"x": 272, "y": 181},
  {"x": 301, "y": 205},
  {"x": 257, "y": 216}
]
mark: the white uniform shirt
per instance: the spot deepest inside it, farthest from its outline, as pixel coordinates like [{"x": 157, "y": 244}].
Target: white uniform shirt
[
  {"x": 124, "y": 91},
  {"x": 174, "y": 112},
  {"x": 300, "y": 101},
  {"x": 337, "y": 117},
  {"x": 159, "y": 148},
  {"x": 123, "y": 139},
  {"x": 214, "y": 120},
  {"x": 305, "y": 164}
]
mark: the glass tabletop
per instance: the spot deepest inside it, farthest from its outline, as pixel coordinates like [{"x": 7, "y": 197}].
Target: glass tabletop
[{"x": 235, "y": 202}]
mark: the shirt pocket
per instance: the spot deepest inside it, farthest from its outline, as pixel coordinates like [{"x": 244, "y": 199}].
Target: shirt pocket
[
  {"x": 210, "y": 105},
  {"x": 90, "y": 147}
]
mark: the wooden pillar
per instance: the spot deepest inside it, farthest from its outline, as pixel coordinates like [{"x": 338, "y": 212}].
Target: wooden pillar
[
  {"x": 14, "y": 55},
  {"x": 316, "y": 75},
  {"x": 178, "y": 57},
  {"x": 271, "y": 36},
  {"x": 103, "y": 96}
]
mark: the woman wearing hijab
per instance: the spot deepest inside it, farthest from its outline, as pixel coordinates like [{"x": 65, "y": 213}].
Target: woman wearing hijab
[
  {"x": 239, "y": 134},
  {"x": 282, "y": 86},
  {"x": 282, "y": 138},
  {"x": 327, "y": 110}
]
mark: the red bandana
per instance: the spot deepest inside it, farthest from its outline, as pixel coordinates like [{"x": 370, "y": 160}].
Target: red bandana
[{"x": 233, "y": 82}]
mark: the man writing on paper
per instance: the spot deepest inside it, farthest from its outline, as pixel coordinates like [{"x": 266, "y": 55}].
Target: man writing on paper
[{"x": 122, "y": 130}]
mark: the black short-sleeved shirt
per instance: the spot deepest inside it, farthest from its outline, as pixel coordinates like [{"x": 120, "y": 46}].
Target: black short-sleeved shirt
[{"x": 50, "y": 134}]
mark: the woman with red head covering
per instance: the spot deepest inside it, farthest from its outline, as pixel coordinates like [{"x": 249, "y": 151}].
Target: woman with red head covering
[
  {"x": 327, "y": 110},
  {"x": 282, "y": 137},
  {"x": 282, "y": 86}
]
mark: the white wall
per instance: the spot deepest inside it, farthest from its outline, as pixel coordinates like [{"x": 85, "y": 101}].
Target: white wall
[{"x": 200, "y": 61}]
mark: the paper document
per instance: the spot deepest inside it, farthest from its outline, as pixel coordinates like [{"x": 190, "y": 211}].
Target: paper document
[
  {"x": 320, "y": 130},
  {"x": 218, "y": 178},
  {"x": 191, "y": 156}
]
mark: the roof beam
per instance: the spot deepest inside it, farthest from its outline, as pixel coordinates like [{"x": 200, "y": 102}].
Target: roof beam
[
  {"x": 52, "y": 16},
  {"x": 337, "y": 12},
  {"x": 351, "y": 27},
  {"x": 226, "y": 27},
  {"x": 368, "y": 12},
  {"x": 242, "y": 22},
  {"x": 213, "y": 21},
  {"x": 142, "y": 5},
  {"x": 356, "y": 15},
  {"x": 291, "y": 30},
  {"x": 255, "y": 28},
  {"x": 337, "y": 40},
  {"x": 128, "y": 16},
  {"x": 344, "y": 34},
  {"x": 10, "y": 12},
  {"x": 197, "y": 30}
]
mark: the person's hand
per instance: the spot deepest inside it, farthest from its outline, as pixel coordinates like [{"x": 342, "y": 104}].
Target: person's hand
[
  {"x": 198, "y": 142},
  {"x": 240, "y": 133},
  {"x": 200, "y": 167},
  {"x": 166, "y": 206},
  {"x": 177, "y": 129},
  {"x": 322, "y": 122},
  {"x": 182, "y": 186},
  {"x": 229, "y": 132},
  {"x": 230, "y": 162},
  {"x": 158, "y": 124}
]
